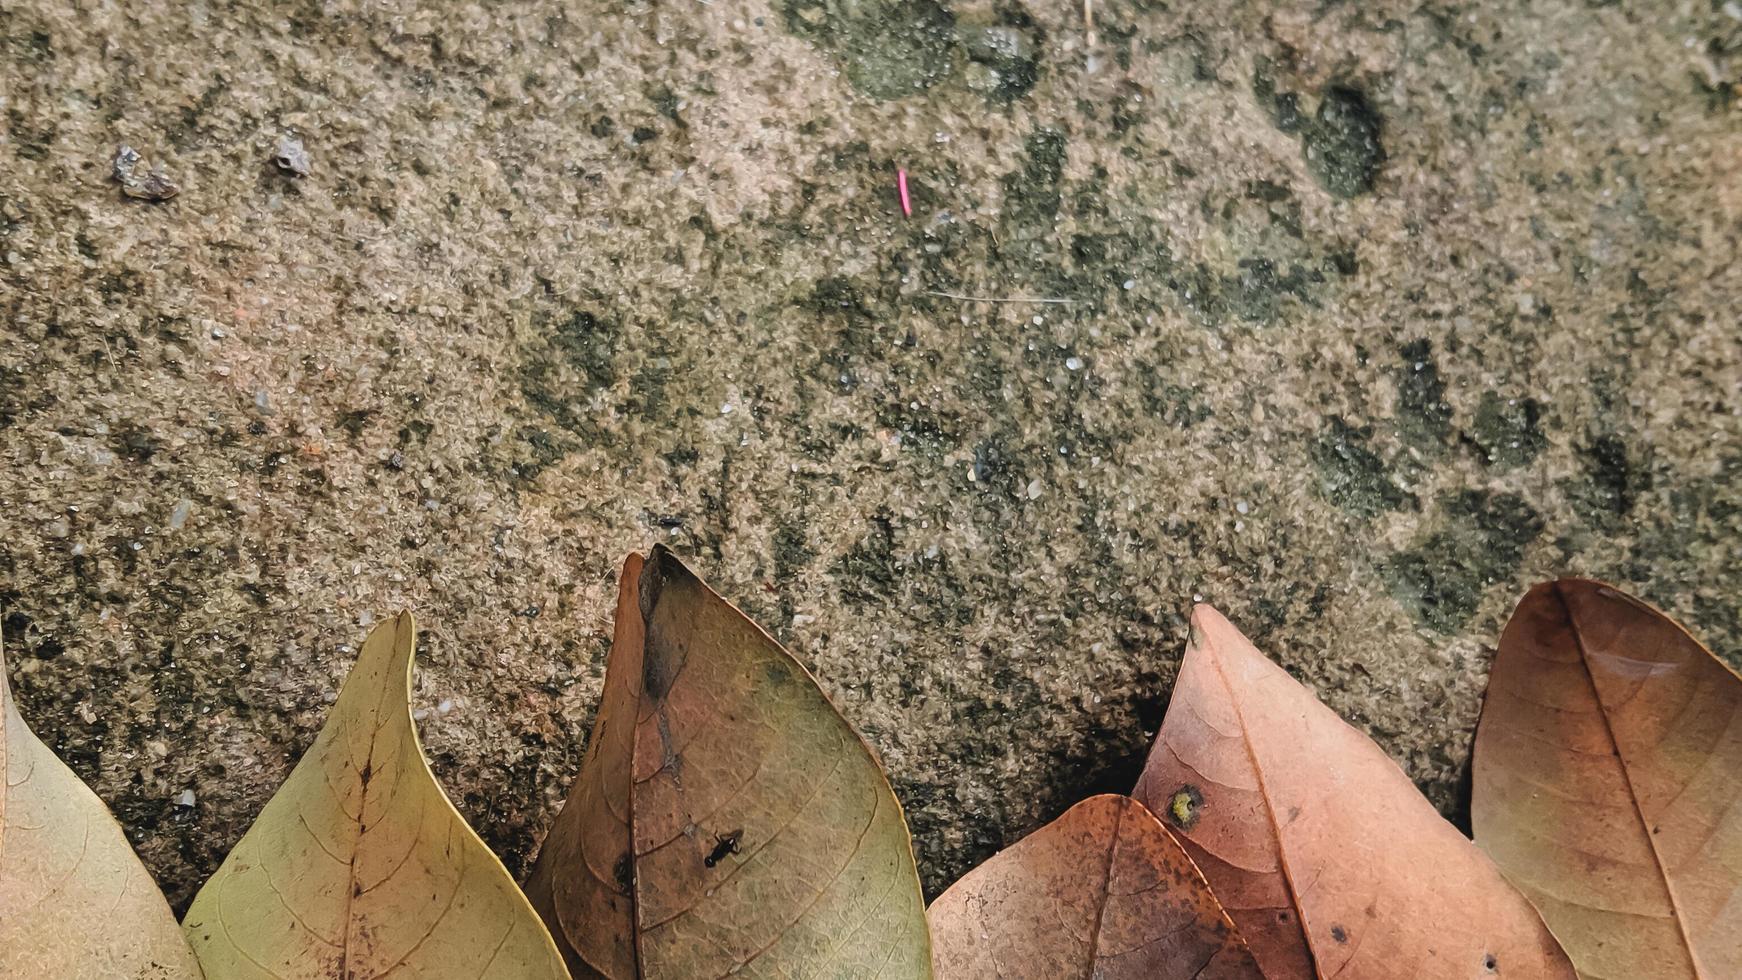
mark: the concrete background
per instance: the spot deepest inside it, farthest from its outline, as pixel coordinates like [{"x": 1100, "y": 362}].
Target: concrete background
[{"x": 1361, "y": 317}]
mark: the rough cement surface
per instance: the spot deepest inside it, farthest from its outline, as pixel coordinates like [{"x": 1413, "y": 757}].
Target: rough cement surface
[{"x": 1370, "y": 314}]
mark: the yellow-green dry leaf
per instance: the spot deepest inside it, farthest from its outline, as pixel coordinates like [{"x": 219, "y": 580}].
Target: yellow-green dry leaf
[
  {"x": 727, "y": 820},
  {"x": 75, "y": 903},
  {"x": 359, "y": 867}
]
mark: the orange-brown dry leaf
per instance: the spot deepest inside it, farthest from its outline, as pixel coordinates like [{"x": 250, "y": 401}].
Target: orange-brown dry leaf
[
  {"x": 1324, "y": 853},
  {"x": 1608, "y": 772},
  {"x": 727, "y": 820},
  {"x": 1102, "y": 892}
]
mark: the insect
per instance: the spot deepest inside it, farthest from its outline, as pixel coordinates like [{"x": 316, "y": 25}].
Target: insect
[{"x": 724, "y": 844}]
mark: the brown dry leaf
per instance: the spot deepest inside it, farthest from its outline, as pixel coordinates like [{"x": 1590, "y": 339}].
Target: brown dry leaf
[
  {"x": 359, "y": 868},
  {"x": 1103, "y": 892},
  {"x": 1607, "y": 774},
  {"x": 726, "y": 820},
  {"x": 1324, "y": 853},
  {"x": 75, "y": 903}
]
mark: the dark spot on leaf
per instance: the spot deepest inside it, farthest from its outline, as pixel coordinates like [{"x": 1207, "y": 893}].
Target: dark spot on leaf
[
  {"x": 1339, "y": 934},
  {"x": 624, "y": 872},
  {"x": 1185, "y": 807}
]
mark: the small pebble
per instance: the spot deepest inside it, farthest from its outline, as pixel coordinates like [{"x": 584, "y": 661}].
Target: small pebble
[
  {"x": 179, "y": 515},
  {"x": 290, "y": 157},
  {"x": 154, "y": 185},
  {"x": 1034, "y": 489},
  {"x": 445, "y": 706},
  {"x": 185, "y": 799}
]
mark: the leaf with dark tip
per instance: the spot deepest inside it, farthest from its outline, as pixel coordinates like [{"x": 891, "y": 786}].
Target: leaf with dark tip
[
  {"x": 726, "y": 820},
  {"x": 359, "y": 867},
  {"x": 1608, "y": 773},
  {"x": 1103, "y": 892},
  {"x": 1324, "y": 853},
  {"x": 75, "y": 903}
]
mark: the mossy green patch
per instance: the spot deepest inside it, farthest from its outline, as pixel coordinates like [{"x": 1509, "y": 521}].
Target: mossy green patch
[
  {"x": 1284, "y": 107},
  {"x": 1441, "y": 579},
  {"x": 1005, "y": 56},
  {"x": 888, "y": 48},
  {"x": 1611, "y": 484},
  {"x": 577, "y": 361},
  {"x": 1351, "y": 475},
  {"x": 867, "y": 574},
  {"x": 1031, "y": 195},
  {"x": 1255, "y": 293},
  {"x": 1506, "y": 431},
  {"x": 1342, "y": 146},
  {"x": 1424, "y": 419},
  {"x": 1685, "y": 550}
]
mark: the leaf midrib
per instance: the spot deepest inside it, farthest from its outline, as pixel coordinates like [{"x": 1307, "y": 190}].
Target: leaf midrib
[{"x": 1627, "y": 778}]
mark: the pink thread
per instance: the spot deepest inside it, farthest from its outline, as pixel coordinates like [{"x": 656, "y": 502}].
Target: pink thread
[{"x": 901, "y": 185}]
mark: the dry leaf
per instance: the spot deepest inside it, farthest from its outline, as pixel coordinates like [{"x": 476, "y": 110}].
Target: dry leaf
[
  {"x": 1103, "y": 892},
  {"x": 726, "y": 820},
  {"x": 1607, "y": 774},
  {"x": 359, "y": 867},
  {"x": 75, "y": 903},
  {"x": 1322, "y": 850}
]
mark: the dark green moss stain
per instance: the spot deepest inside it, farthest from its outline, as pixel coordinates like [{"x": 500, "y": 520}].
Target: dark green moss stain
[
  {"x": 1441, "y": 579},
  {"x": 867, "y": 574},
  {"x": 1351, "y": 475},
  {"x": 1684, "y": 553},
  {"x": 1284, "y": 107},
  {"x": 577, "y": 362},
  {"x": 135, "y": 443},
  {"x": 1343, "y": 142},
  {"x": 1507, "y": 431},
  {"x": 1175, "y": 404},
  {"x": 31, "y": 138},
  {"x": 1009, "y": 51},
  {"x": 791, "y": 552},
  {"x": 538, "y": 450},
  {"x": 837, "y": 295},
  {"x": 20, "y": 397},
  {"x": 1031, "y": 195},
  {"x": 888, "y": 48},
  {"x": 1611, "y": 484},
  {"x": 1424, "y": 419},
  {"x": 1342, "y": 146},
  {"x": 1255, "y": 293},
  {"x": 931, "y": 433}
]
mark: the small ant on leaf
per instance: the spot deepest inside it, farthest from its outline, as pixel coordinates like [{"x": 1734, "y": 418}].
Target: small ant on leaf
[{"x": 724, "y": 844}]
